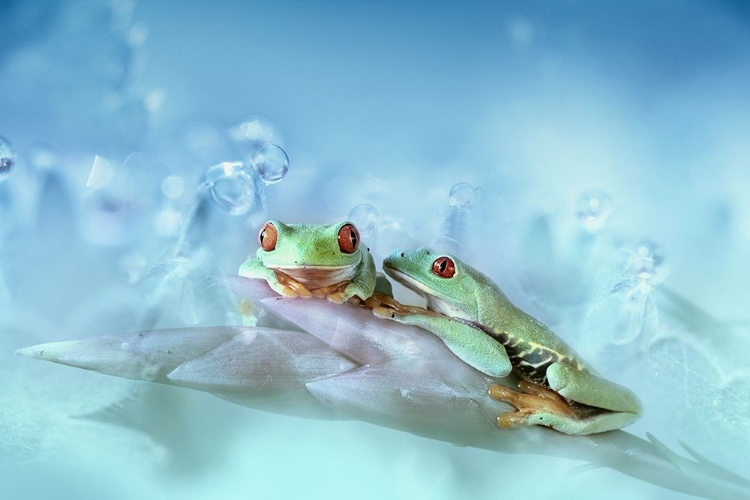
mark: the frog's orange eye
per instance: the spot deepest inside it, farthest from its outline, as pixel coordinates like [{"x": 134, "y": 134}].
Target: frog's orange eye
[
  {"x": 444, "y": 267},
  {"x": 348, "y": 238},
  {"x": 268, "y": 236}
]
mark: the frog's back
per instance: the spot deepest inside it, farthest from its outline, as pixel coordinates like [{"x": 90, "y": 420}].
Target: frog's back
[{"x": 531, "y": 346}]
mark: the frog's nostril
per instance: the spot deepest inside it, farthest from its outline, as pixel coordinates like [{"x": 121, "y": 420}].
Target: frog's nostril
[{"x": 402, "y": 255}]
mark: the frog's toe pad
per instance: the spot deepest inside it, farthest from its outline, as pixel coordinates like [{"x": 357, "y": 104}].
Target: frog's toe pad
[
  {"x": 384, "y": 312},
  {"x": 336, "y": 298},
  {"x": 511, "y": 420},
  {"x": 285, "y": 291}
]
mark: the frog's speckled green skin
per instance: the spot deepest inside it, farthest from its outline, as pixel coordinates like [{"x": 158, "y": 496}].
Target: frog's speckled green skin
[
  {"x": 488, "y": 332},
  {"x": 310, "y": 254}
]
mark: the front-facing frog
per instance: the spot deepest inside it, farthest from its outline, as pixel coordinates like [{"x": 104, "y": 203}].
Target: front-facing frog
[
  {"x": 481, "y": 326},
  {"x": 309, "y": 260}
]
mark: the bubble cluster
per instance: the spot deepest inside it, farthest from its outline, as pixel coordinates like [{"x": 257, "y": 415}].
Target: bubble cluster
[
  {"x": 593, "y": 210},
  {"x": 7, "y": 157},
  {"x": 271, "y": 162},
  {"x": 232, "y": 188}
]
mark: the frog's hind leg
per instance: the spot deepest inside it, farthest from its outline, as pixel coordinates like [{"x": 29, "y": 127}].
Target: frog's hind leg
[
  {"x": 598, "y": 405},
  {"x": 589, "y": 389},
  {"x": 540, "y": 406}
]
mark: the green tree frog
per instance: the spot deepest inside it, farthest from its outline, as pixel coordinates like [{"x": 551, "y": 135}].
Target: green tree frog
[
  {"x": 306, "y": 260},
  {"x": 481, "y": 326}
]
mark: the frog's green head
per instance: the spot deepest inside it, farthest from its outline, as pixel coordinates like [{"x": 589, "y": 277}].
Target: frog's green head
[
  {"x": 290, "y": 246},
  {"x": 450, "y": 286}
]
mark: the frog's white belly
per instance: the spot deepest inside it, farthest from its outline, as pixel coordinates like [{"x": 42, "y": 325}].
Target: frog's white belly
[{"x": 314, "y": 277}]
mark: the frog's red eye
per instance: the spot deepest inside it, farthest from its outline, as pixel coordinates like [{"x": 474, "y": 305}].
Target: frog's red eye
[
  {"x": 348, "y": 238},
  {"x": 268, "y": 236},
  {"x": 444, "y": 267}
]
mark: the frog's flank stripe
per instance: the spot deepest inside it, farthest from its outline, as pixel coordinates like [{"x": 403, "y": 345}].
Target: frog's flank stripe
[{"x": 529, "y": 359}]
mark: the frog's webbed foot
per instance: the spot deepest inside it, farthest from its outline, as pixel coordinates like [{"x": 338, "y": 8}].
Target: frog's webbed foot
[
  {"x": 289, "y": 287},
  {"x": 532, "y": 401}
]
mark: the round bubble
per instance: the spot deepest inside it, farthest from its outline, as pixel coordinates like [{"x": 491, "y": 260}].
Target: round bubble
[
  {"x": 365, "y": 217},
  {"x": 593, "y": 210},
  {"x": 271, "y": 163},
  {"x": 648, "y": 262},
  {"x": 463, "y": 195},
  {"x": 7, "y": 157},
  {"x": 232, "y": 188},
  {"x": 646, "y": 267}
]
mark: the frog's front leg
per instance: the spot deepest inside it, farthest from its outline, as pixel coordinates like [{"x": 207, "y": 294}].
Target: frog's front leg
[
  {"x": 362, "y": 284},
  {"x": 280, "y": 282},
  {"x": 611, "y": 406},
  {"x": 473, "y": 346}
]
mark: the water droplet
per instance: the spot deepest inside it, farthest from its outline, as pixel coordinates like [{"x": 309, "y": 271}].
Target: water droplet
[
  {"x": 7, "y": 157},
  {"x": 365, "y": 217},
  {"x": 232, "y": 188},
  {"x": 271, "y": 163},
  {"x": 645, "y": 268},
  {"x": 593, "y": 210},
  {"x": 463, "y": 195}
]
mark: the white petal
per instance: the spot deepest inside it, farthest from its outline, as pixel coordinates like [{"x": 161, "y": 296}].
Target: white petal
[
  {"x": 148, "y": 355},
  {"x": 355, "y": 331},
  {"x": 266, "y": 369}
]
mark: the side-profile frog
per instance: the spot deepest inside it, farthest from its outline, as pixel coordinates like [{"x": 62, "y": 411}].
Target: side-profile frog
[
  {"x": 309, "y": 260},
  {"x": 481, "y": 326}
]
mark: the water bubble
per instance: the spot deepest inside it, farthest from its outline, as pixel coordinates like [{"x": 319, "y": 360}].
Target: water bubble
[
  {"x": 7, "y": 157},
  {"x": 365, "y": 217},
  {"x": 463, "y": 195},
  {"x": 233, "y": 189},
  {"x": 271, "y": 163},
  {"x": 593, "y": 210},
  {"x": 645, "y": 268}
]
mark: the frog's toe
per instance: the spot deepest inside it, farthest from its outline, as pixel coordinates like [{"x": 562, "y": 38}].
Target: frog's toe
[
  {"x": 337, "y": 298},
  {"x": 514, "y": 419},
  {"x": 286, "y": 291},
  {"x": 384, "y": 312}
]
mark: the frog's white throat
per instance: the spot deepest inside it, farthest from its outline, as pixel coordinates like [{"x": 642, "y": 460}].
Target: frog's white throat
[
  {"x": 314, "y": 277},
  {"x": 434, "y": 303}
]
